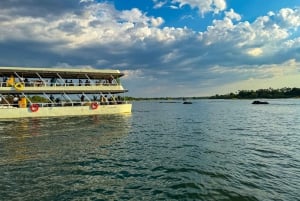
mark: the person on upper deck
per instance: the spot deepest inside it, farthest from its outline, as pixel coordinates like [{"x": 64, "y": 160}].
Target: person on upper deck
[
  {"x": 26, "y": 82},
  {"x": 53, "y": 81},
  {"x": 4, "y": 82},
  {"x": 110, "y": 79}
]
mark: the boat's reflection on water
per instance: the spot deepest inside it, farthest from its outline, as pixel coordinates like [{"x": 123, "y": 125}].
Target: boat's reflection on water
[{"x": 31, "y": 138}]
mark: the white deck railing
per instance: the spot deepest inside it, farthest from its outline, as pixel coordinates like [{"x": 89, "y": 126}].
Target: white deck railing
[
  {"x": 48, "y": 84},
  {"x": 63, "y": 104}
]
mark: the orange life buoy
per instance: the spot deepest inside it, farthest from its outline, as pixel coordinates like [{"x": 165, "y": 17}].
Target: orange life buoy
[
  {"x": 94, "y": 106},
  {"x": 34, "y": 107}
]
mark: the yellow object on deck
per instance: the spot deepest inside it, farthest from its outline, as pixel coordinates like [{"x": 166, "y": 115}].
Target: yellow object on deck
[
  {"x": 19, "y": 86},
  {"x": 23, "y": 102},
  {"x": 11, "y": 81}
]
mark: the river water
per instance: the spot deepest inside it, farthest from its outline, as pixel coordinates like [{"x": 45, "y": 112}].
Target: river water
[{"x": 209, "y": 150}]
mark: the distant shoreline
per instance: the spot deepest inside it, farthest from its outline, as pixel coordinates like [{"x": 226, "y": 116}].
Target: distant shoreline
[
  {"x": 171, "y": 99},
  {"x": 269, "y": 93}
]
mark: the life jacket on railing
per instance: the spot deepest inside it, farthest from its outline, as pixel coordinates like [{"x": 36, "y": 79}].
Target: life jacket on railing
[
  {"x": 23, "y": 102},
  {"x": 10, "y": 81}
]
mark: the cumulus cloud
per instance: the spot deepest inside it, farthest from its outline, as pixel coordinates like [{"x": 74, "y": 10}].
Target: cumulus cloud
[
  {"x": 262, "y": 37},
  {"x": 97, "y": 23},
  {"x": 288, "y": 18},
  {"x": 89, "y": 33}
]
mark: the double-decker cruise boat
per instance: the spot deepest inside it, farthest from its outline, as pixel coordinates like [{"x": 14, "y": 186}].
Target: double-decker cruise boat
[{"x": 50, "y": 92}]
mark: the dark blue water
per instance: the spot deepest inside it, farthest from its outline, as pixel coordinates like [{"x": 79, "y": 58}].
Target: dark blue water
[{"x": 209, "y": 150}]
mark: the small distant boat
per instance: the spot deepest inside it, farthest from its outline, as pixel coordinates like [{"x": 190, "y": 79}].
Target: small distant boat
[
  {"x": 260, "y": 102},
  {"x": 186, "y": 102}
]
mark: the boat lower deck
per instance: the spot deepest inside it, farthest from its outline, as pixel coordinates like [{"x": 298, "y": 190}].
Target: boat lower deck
[{"x": 55, "y": 111}]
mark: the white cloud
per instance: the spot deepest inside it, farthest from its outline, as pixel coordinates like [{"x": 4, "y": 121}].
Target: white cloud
[
  {"x": 98, "y": 35},
  {"x": 133, "y": 74},
  {"x": 134, "y": 15},
  {"x": 159, "y": 4},
  {"x": 157, "y": 21},
  {"x": 255, "y": 52},
  {"x": 292, "y": 43},
  {"x": 86, "y": 1},
  {"x": 187, "y": 17},
  {"x": 289, "y": 17},
  {"x": 204, "y": 6},
  {"x": 174, "y": 7},
  {"x": 233, "y": 15}
]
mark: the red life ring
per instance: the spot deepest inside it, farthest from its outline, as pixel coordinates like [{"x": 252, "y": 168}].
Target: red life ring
[
  {"x": 34, "y": 107},
  {"x": 94, "y": 106}
]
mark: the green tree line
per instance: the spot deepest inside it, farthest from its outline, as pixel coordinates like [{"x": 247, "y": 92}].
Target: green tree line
[{"x": 261, "y": 93}]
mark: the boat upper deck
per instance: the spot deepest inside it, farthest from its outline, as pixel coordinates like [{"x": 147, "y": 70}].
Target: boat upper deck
[
  {"x": 66, "y": 73},
  {"x": 59, "y": 80}
]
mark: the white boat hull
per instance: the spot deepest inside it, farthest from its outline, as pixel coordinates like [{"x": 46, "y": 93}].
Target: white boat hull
[{"x": 14, "y": 112}]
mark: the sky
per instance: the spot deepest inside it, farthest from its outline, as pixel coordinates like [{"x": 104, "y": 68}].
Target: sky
[{"x": 166, "y": 48}]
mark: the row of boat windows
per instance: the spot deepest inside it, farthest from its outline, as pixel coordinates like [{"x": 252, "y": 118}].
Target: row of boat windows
[{"x": 11, "y": 81}]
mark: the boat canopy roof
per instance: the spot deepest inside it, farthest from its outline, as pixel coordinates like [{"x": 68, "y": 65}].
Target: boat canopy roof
[{"x": 67, "y": 73}]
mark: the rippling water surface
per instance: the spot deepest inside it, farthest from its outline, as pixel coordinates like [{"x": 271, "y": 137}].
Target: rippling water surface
[{"x": 210, "y": 150}]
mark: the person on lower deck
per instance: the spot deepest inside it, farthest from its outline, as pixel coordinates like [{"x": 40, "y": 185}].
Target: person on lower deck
[
  {"x": 112, "y": 100},
  {"x": 52, "y": 98},
  {"x": 82, "y": 98},
  {"x": 58, "y": 102},
  {"x": 119, "y": 100},
  {"x": 106, "y": 100},
  {"x": 102, "y": 100}
]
